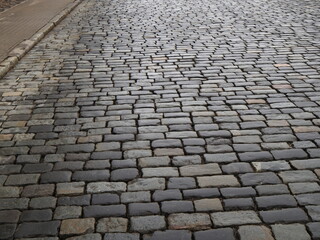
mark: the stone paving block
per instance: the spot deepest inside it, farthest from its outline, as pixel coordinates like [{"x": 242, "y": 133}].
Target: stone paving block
[
  {"x": 8, "y": 192},
  {"x": 100, "y": 187},
  {"x": 218, "y": 181},
  {"x": 9, "y": 216},
  {"x": 147, "y": 224},
  {"x": 119, "y": 164},
  {"x": 287, "y": 215},
  {"x": 131, "y": 197},
  {"x": 314, "y": 229},
  {"x": 251, "y": 179},
  {"x": 154, "y": 161},
  {"x": 141, "y": 184},
  {"x": 104, "y": 211},
  {"x": 72, "y": 188},
  {"x": 238, "y": 192},
  {"x": 111, "y": 225},
  {"x": 10, "y": 169},
  {"x": 217, "y": 234},
  {"x": 308, "y": 199},
  {"x": 172, "y": 194},
  {"x": 181, "y": 183},
  {"x": 13, "y": 203},
  {"x": 306, "y": 164},
  {"x": 90, "y": 236},
  {"x": 141, "y": 209},
  {"x": 198, "y": 170},
  {"x": 168, "y": 152},
  {"x": 160, "y": 172},
  {"x": 91, "y": 175},
  {"x": 191, "y": 221},
  {"x": 82, "y": 200},
  {"x": 220, "y": 158},
  {"x": 22, "y": 179},
  {"x": 238, "y": 204},
  {"x": 65, "y": 212},
  {"x": 314, "y": 212},
  {"x": 7, "y": 230},
  {"x": 298, "y": 176},
  {"x": 201, "y": 193},
  {"x": 171, "y": 235},
  {"x": 305, "y": 187},
  {"x": 255, "y": 232},
  {"x": 233, "y": 168},
  {"x": 124, "y": 174},
  {"x": 272, "y": 189},
  {"x": 276, "y": 201},
  {"x": 43, "y": 202},
  {"x": 176, "y": 206},
  {"x": 105, "y": 199},
  {"x": 223, "y": 219},
  {"x": 77, "y": 226},
  {"x": 56, "y": 177},
  {"x": 289, "y": 154},
  {"x": 291, "y": 231},
  {"x": 207, "y": 204},
  {"x": 36, "y": 215},
  {"x": 255, "y": 156},
  {"x": 186, "y": 160},
  {"x": 37, "y": 229},
  {"x": 271, "y": 166},
  {"x": 121, "y": 236}
]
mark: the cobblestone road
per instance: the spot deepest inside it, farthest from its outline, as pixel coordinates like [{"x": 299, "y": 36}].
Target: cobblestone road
[{"x": 166, "y": 120}]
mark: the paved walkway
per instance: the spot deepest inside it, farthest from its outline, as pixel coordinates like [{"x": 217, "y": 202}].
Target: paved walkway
[
  {"x": 140, "y": 119},
  {"x": 22, "y": 21}
]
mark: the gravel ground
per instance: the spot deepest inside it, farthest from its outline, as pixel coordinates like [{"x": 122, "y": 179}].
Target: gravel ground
[{"x": 5, "y": 4}]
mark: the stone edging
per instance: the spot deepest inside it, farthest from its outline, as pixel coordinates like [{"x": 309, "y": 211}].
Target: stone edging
[{"x": 25, "y": 46}]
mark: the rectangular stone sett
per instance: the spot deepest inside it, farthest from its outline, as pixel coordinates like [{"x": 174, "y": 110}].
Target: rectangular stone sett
[{"x": 104, "y": 211}]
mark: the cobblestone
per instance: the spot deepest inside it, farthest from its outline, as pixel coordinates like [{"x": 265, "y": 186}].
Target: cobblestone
[
  {"x": 165, "y": 120},
  {"x": 292, "y": 231}
]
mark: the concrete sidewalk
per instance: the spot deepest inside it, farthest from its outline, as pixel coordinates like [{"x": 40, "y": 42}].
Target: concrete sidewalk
[{"x": 21, "y": 22}]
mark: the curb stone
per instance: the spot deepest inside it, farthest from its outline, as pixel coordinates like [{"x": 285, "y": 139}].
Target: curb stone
[{"x": 25, "y": 46}]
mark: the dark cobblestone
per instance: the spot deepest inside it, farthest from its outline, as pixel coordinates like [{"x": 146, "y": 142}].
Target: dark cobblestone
[{"x": 284, "y": 215}]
